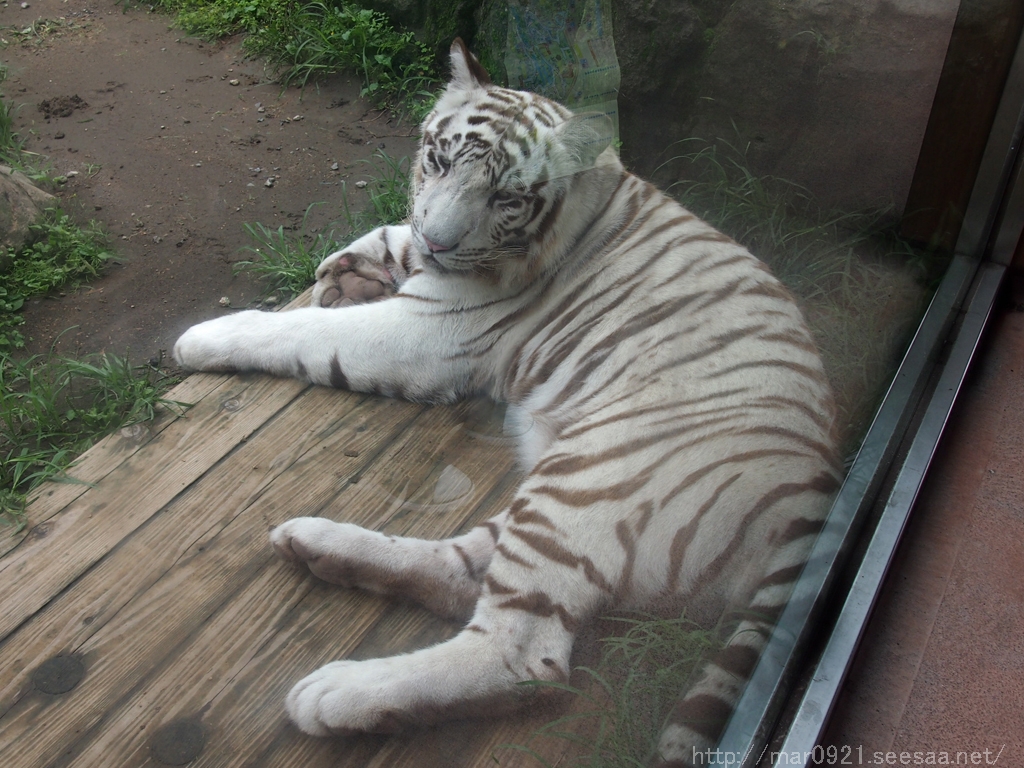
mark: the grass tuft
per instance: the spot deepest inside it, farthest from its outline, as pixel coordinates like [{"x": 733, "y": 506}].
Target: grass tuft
[
  {"x": 54, "y": 408},
  {"x": 617, "y": 716},
  {"x": 387, "y": 193},
  {"x": 287, "y": 261}
]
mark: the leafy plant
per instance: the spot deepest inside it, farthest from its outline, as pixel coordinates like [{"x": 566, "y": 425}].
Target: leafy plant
[
  {"x": 394, "y": 66},
  {"x": 62, "y": 254},
  {"x": 308, "y": 40}
]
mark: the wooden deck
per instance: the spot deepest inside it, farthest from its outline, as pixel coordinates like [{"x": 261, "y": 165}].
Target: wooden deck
[{"x": 156, "y": 585}]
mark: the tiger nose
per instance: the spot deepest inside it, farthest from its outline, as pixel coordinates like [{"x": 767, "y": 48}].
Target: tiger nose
[{"x": 437, "y": 247}]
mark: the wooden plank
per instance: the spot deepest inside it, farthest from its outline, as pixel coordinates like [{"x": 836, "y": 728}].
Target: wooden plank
[
  {"x": 102, "y": 593},
  {"x": 100, "y": 460},
  {"x": 235, "y": 564},
  {"x": 107, "y": 454},
  {"x": 58, "y": 551},
  {"x": 325, "y": 625}
]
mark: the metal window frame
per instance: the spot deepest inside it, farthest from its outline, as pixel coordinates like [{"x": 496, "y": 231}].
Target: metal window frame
[{"x": 924, "y": 384}]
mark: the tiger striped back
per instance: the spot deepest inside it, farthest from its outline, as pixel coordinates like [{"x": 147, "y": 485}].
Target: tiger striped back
[{"x": 677, "y": 423}]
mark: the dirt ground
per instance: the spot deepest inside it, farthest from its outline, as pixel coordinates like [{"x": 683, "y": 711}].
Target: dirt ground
[{"x": 169, "y": 142}]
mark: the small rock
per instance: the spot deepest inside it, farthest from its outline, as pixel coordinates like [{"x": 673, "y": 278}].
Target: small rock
[
  {"x": 232, "y": 81},
  {"x": 59, "y": 135},
  {"x": 24, "y": 5},
  {"x": 297, "y": 118},
  {"x": 162, "y": 92},
  {"x": 199, "y": 165},
  {"x": 269, "y": 182},
  {"x": 157, "y": 238},
  {"x": 224, "y": 301},
  {"x": 334, "y": 166},
  {"x": 271, "y": 301},
  {"x": 261, "y": 108},
  {"x": 360, "y": 184}
]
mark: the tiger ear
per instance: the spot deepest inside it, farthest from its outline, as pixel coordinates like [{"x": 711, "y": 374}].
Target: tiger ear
[
  {"x": 584, "y": 137},
  {"x": 467, "y": 71}
]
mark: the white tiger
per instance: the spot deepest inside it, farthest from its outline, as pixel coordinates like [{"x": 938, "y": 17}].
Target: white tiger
[{"x": 682, "y": 441}]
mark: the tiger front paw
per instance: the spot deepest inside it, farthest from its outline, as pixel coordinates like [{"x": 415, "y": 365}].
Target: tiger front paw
[
  {"x": 349, "y": 277},
  {"x": 216, "y": 345}
]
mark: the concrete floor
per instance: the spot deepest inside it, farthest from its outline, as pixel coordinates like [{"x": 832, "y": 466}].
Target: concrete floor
[{"x": 939, "y": 678}]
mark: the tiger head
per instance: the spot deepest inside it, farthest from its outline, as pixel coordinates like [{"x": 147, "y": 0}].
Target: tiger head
[{"x": 493, "y": 172}]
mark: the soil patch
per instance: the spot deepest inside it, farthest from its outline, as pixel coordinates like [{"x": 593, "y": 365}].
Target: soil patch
[
  {"x": 61, "y": 106},
  {"x": 169, "y": 142}
]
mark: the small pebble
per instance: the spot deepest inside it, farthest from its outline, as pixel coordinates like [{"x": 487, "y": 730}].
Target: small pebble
[
  {"x": 261, "y": 108},
  {"x": 271, "y": 301},
  {"x": 59, "y": 135},
  {"x": 360, "y": 184},
  {"x": 232, "y": 81},
  {"x": 24, "y": 5},
  {"x": 334, "y": 166},
  {"x": 269, "y": 182},
  {"x": 224, "y": 301}
]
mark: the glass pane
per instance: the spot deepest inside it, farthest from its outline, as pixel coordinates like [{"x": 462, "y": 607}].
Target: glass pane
[{"x": 794, "y": 128}]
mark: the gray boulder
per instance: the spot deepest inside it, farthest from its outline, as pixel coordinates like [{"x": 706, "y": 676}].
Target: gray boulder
[{"x": 21, "y": 205}]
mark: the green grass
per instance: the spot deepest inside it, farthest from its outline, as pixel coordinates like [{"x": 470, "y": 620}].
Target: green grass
[
  {"x": 811, "y": 249},
  {"x": 53, "y": 408},
  {"x": 308, "y": 40},
  {"x": 62, "y": 255},
  {"x": 619, "y": 712},
  {"x": 286, "y": 261},
  {"x": 387, "y": 194}
]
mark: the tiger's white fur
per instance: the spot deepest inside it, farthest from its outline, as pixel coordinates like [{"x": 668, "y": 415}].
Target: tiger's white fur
[{"x": 681, "y": 424}]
